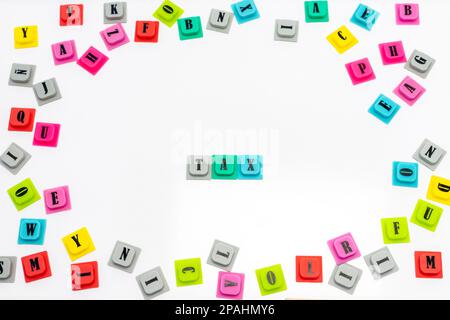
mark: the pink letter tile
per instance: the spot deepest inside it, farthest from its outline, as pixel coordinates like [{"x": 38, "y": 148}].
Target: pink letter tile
[
  {"x": 230, "y": 285},
  {"x": 409, "y": 91},
  {"x": 360, "y": 71},
  {"x": 407, "y": 13},
  {"x": 92, "y": 60},
  {"x": 64, "y": 52},
  {"x": 57, "y": 200},
  {"x": 392, "y": 52},
  {"x": 114, "y": 36},
  {"x": 46, "y": 134},
  {"x": 343, "y": 248}
]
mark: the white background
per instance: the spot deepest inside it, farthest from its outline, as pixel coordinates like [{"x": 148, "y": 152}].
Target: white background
[{"x": 126, "y": 132}]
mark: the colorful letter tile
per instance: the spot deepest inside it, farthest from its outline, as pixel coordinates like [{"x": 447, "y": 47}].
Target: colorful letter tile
[
  {"x": 360, "y": 71},
  {"x": 190, "y": 28},
  {"x": 392, "y": 52},
  {"x": 21, "y": 119},
  {"x": 224, "y": 167},
  {"x": 316, "y": 11},
  {"x": 395, "y": 230},
  {"x": 168, "y": 13},
  {"x": 429, "y": 154},
  {"x": 250, "y": 167},
  {"x": 25, "y": 37},
  {"x": 8, "y": 266},
  {"x": 146, "y": 31},
  {"x": 32, "y": 231},
  {"x": 114, "y": 12},
  {"x": 124, "y": 257},
  {"x": 409, "y": 91},
  {"x": 220, "y": 21},
  {"x": 14, "y": 158},
  {"x": 24, "y": 194},
  {"x": 36, "y": 266},
  {"x": 57, "y": 200},
  {"x": 308, "y": 269},
  {"x": 271, "y": 280},
  {"x": 198, "y": 168},
  {"x": 71, "y": 15},
  {"x": 343, "y": 248},
  {"x": 114, "y": 36},
  {"x": 439, "y": 190},
  {"x": 78, "y": 244},
  {"x": 342, "y": 39},
  {"x": 428, "y": 264},
  {"x": 230, "y": 285},
  {"x": 384, "y": 109},
  {"x": 245, "y": 11},
  {"x": 381, "y": 263},
  {"x": 22, "y": 75},
  {"x": 84, "y": 275},
  {"x": 152, "y": 283},
  {"x": 426, "y": 215},
  {"x": 46, "y": 91},
  {"x": 64, "y": 52},
  {"x": 420, "y": 64},
  {"x": 405, "y": 174},
  {"x": 365, "y": 17},
  {"x": 92, "y": 61},
  {"x": 46, "y": 134},
  {"x": 407, "y": 13},
  {"x": 188, "y": 272},
  {"x": 286, "y": 30},
  {"x": 345, "y": 277},
  {"x": 222, "y": 255}
]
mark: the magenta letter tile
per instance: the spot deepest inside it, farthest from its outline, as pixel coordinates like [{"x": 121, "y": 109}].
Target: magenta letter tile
[
  {"x": 409, "y": 91},
  {"x": 343, "y": 248},
  {"x": 114, "y": 36},
  {"x": 92, "y": 60},
  {"x": 57, "y": 200},
  {"x": 407, "y": 13},
  {"x": 64, "y": 52},
  {"x": 46, "y": 134},
  {"x": 360, "y": 71},
  {"x": 230, "y": 285},
  {"x": 392, "y": 52}
]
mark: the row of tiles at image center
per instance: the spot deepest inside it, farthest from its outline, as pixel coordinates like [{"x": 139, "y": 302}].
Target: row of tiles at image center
[{"x": 230, "y": 167}]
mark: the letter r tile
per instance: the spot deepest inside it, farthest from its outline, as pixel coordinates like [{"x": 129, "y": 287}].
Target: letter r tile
[{"x": 343, "y": 248}]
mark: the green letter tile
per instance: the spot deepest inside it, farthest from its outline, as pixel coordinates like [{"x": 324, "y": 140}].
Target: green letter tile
[
  {"x": 168, "y": 13},
  {"x": 24, "y": 194},
  {"x": 426, "y": 215},
  {"x": 271, "y": 280},
  {"x": 395, "y": 230},
  {"x": 188, "y": 272}
]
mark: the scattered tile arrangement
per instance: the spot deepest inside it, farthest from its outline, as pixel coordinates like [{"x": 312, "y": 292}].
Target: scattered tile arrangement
[{"x": 230, "y": 285}]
